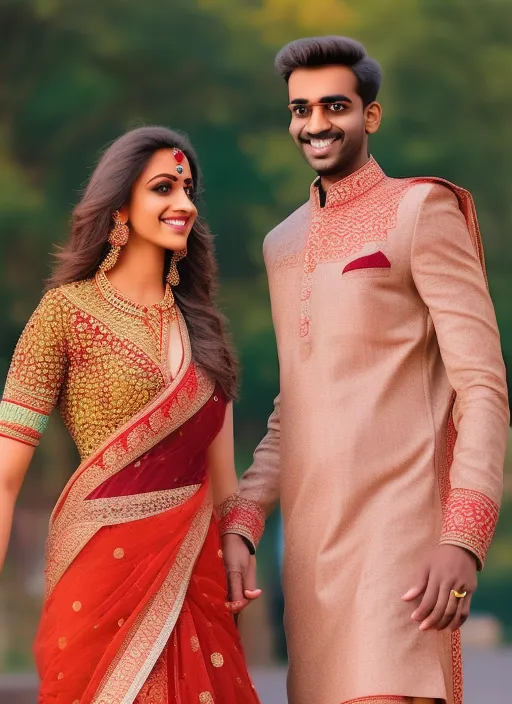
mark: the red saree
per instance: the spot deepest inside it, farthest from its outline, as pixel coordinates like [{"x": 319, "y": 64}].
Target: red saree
[{"x": 135, "y": 606}]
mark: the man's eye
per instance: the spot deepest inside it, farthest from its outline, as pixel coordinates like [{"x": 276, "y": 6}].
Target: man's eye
[
  {"x": 301, "y": 110},
  {"x": 163, "y": 188},
  {"x": 336, "y": 107}
]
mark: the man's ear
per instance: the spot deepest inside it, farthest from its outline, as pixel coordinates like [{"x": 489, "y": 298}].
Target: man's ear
[{"x": 372, "y": 117}]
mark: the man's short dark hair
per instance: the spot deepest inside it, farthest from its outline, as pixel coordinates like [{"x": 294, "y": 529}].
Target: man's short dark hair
[{"x": 325, "y": 51}]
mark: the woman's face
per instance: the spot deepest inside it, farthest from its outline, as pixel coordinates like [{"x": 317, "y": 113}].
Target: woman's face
[{"x": 161, "y": 210}]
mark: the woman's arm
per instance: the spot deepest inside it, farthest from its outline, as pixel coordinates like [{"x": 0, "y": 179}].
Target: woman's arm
[
  {"x": 31, "y": 391},
  {"x": 241, "y": 565},
  {"x": 221, "y": 461},
  {"x": 15, "y": 458}
]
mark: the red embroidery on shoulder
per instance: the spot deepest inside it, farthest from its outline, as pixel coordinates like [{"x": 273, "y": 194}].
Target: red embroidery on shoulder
[
  {"x": 348, "y": 222},
  {"x": 378, "y": 260}
]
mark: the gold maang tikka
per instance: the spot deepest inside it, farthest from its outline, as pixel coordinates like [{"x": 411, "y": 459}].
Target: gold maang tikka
[{"x": 117, "y": 239}]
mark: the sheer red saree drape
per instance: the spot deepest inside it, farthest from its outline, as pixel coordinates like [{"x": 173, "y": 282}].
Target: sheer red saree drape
[{"x": 135, "y": 608}]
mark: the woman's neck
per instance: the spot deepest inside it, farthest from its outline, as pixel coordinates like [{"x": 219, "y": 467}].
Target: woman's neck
[{"x": 139, "y": 273}]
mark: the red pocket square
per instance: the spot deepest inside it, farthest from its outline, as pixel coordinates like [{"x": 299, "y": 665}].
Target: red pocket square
[{"x": 378, "y": 260}]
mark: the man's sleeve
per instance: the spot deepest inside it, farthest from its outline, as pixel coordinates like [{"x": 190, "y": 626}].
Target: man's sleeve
[
  {"x": 245, "y": 513},
  {"x": 450, "y": 280}
]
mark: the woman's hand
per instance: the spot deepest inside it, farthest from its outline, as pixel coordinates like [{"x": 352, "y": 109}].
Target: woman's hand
[{"x": 240, "y": 572}]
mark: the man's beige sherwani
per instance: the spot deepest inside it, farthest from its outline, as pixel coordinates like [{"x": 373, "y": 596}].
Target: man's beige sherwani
[{"x": 381, "y": 313}]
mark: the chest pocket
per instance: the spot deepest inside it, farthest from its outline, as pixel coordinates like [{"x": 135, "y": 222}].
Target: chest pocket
[{"x": 370, "y": 266}]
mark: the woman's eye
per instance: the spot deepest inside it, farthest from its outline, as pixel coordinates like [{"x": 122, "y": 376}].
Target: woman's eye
[
  {"x": 336, "y": 107},
  {"x": 163, "y": 188},
  {"x": 189, "y": 192}
]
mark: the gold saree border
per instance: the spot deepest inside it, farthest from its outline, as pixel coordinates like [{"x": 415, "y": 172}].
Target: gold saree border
[
  {"x": 150, "y": 633},
  {"x": 122, "y": 509},
  {"x": 67, "y": 544},
  {"x": 71, "y": 524},
  {"x": 156, "y": 687}
]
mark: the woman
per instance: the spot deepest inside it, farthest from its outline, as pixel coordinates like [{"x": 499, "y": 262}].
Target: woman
[{"x": 130, "y": 347}]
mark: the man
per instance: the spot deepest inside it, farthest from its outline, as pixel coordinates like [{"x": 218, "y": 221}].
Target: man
[{"x": 387, "y": 441}]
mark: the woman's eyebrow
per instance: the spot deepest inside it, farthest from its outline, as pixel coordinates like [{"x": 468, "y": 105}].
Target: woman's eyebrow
[{"x": 173, "y": 178}]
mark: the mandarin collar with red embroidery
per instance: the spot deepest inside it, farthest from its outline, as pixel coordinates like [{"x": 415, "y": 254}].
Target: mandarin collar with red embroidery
[{"x": 349, "y": 188}]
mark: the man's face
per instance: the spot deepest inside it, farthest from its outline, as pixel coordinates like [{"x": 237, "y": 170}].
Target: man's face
[{"x": 329, "y": 123}]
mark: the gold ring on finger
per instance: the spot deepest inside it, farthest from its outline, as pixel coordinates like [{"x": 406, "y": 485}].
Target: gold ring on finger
[{"x": 459, "y": 595}]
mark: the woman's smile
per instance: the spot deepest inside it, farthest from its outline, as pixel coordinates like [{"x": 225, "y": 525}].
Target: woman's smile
[{"x": 178, "y": 224}]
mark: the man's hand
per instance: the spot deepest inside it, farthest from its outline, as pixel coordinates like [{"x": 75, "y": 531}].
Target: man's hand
[
  {"x": 449, "y": 568},
  {"x": 240, "y": 572}
]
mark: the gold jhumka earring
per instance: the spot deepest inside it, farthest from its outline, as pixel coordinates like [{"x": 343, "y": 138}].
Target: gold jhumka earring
[
  {"x": 173, "y": 277},
  {"x": 117, "y": 239}
]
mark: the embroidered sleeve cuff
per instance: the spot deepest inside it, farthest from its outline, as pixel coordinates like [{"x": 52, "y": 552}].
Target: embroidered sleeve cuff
[
  {"x": 470, "y": 519},
  {"x": 21, "y": 423},
  {"x": 243, "y": 517}
]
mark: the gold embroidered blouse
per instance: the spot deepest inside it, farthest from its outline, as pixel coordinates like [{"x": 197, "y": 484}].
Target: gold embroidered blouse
[{"x": 92, "y": 352}]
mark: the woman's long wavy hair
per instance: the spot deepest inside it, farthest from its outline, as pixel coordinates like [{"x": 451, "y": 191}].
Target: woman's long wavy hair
[{"x": 108, "y": 190}]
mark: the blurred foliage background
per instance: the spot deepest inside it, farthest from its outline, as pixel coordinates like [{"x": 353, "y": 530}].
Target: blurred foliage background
[{"x": 74, "y": 75}]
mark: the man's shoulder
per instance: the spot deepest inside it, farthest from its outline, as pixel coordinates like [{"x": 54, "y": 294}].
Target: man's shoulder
[
  {"x": 427, "y": 188},
  {"x": 297, "y": 219}
]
